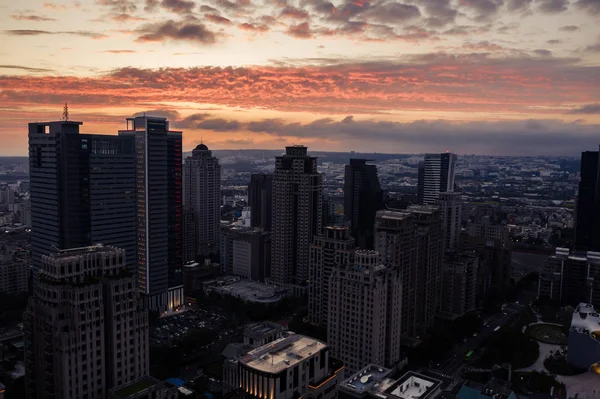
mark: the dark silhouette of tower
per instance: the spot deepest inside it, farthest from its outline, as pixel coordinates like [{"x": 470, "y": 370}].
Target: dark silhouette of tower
[
  {"x": 362, "y": 199},
  {"x": 587, "y": 214},
  {"x": 260, "y": 199}
]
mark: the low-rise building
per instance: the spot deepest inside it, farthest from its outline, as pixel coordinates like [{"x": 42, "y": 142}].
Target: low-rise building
[{"x": 244, "y": 290}]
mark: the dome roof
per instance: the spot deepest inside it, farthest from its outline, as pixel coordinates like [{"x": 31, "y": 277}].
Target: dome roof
[{"x": 201, "y": 147}]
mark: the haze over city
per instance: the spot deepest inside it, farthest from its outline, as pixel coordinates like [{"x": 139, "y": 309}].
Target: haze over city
[{"x": 514, "y": 77}]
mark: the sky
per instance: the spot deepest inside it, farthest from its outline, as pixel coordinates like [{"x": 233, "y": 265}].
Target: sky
[{"x": 498, "y": 77}]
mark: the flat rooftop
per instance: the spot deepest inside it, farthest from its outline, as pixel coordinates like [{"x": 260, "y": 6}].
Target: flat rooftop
[
  {"x": 259, "y": 330},
  {"x": 413, "y": 386},
  {"x": 250, "y": 291},
  {"x": 283, "y": 353},
  {"x": 366, "y": 378}
]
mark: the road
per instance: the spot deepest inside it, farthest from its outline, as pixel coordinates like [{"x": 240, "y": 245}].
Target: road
[{"x": 452, "y": 363}]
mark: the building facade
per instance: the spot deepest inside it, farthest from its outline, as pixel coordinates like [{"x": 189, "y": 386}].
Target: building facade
[
  {"x": 334, "y": 247},
  {"x": 14, "y": 269},
  {"x": 363, "y": 197},
  {"x": 158, "y": 189},
  {"x": 297, "y": 207},
  {"x": 202, "y": 176},
  {"x": 450, "y": 205},
  {"x": 436, "y": 175},
  {"x": 85, "y": 328},
  {"x": 188, "y": 222},
  {"x": 246, "y": 252},
  {"x": 260, "y": 199},
  {"x": 364, "y": 312},
  {"x": 459, "y": 290}
]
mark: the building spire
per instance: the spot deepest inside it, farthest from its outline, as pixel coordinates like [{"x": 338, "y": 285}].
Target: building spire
[{"x": 65, "y": 115}]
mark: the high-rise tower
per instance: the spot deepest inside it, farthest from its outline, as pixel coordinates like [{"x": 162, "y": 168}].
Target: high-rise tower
[
  {"x": 436, "y": 176},
  {"x": 85, "y": 328},
  {"x": 202, "y": 176},
  {"x": 260, "y": 199},
  {"x": 587, "y": 214},
  {"x": 297, "y": 207},
  {"x": 450, "y": 205},
  {"x": 362, "y": 199},
  {"x": 159, "y": 211},
  {"x": 82, "y": 189}
]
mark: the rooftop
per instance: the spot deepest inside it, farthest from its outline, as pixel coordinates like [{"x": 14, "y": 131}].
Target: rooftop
[
  {"x": 249, "y": 291},
  {"x": 366, "y": 378},
  {"x": 259, "y": 330},
  {"x": 283, "y": 353},
  {"x": 585, "y": 319},
  {"x": 413, "y": 386}
]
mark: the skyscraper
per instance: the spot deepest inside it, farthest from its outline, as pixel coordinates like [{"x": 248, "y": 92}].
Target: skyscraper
[
  {"x": 450, "y": 205},
  {"x": 362, "y": 199},
  {"x": 203, "y": 194},
  {"x": 82, "y": 189},
  {"x": 260, "y": 199},
  {"x": 297, "y": 207},
  {"x": 436, "y": 176},
  {"x": 85, "y": 329},
  {"x": 411, "y": 242},
  {"x": 364, "y": 318},
  {"x": 159, "y": 211},
  {"x": 459, "y": 291},
  {"x": 587, "y": 213},
  {"x": 334, "y": 247}
]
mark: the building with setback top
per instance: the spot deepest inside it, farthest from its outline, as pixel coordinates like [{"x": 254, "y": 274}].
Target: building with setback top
[
  {"x": 435, "y": 176},
  {"x": 297, "y": 207}
]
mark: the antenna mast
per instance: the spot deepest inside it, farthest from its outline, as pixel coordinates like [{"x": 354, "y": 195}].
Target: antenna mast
[{"x": 65, "y": 115}]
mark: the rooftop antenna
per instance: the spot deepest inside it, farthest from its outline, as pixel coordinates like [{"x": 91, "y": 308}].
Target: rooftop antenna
[{"x": 65, "y": 115}]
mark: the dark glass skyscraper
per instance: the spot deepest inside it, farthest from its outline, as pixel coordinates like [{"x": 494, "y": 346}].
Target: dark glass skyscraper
[
  {"x": 82, "y": 190},
  {"x": 587, "y": 218},
  {"x": 436, "y": 175},
  {"x": 159, "y": 210},
  {"x": 260, "y": 199},
  {"x": 362, "y": 199}
]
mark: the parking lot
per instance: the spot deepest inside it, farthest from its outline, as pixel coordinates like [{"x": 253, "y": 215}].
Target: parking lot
[{"x": 167, "y": 329}]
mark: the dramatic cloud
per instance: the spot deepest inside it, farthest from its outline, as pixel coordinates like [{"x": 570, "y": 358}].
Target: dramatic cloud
[
  {"x": 300, "y": 31},
  {"x": 33, "y": 32},
  {"x": 219, "y": 125},
  {"x": 29, "y": 17},
  {"x": 178, "y": 6},
  {"x": 484, "y": 9},
  {"x": 593, "y": 48},
  {"x": 119, "y": 6},
  {"x": 24, "y": 68},
  {"x": 439, "y": 12},
  {"x": 126, "y": 18},
  {"x": 590, "y": 6},
  {"x": 543, "y": 53},
  {"x": 190, "y": 31},
  {"x": 293, "y": 12},
  {"x": 217, "y": 19},
  {"x": 392, "y": 13},
  {"x": 53, "y": 6},
  {"x": 552, "y": 6},
  {"x": 587, "y": 109},
  {"x": 518, "y": 5},
  {"x": 569, "y": 28},
  {"x": 253, "y": 27},
  {"x": 151, "y": 5}
]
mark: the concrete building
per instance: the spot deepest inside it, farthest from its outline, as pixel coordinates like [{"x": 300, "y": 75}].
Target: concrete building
[
  {"x": 334, "y": 247},
  {"x": 85, "y": 329},
  {"x": 290, "y": 367},
  {"x": 246, "y": 252},
  {"x": 14, "y": 269},
  {"x": 364, "y": 312},
  {"x": 297, "y": 207},
  {"x": 202, "y": 193},
  {"x": 410, "y": 241},
  {"x": 459, "y": 290},
  {"x": 374, "y": 382},
  {"x": 363, "y": 197},
  {"x": 144, "y": 388},
  {"x": 584, "y": 337},
  {"x": 260, "y": 199},
  {"x": 571, "y": 277},
  {"x": 82, "y": 190},
  {"x": 436, "y": 175},
  {"x": 159, "y": 207},
  {"x": 450, "y": 205}
]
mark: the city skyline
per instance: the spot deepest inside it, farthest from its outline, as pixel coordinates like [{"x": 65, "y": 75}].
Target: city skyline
[{"x": 411, "y": 77}]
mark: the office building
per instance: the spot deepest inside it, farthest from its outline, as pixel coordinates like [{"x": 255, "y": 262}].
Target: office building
[
  {"x": 297, "y": 207},
  {"x": 459, "y": 290},
  {"x": 85, "y": 328},
  {"x": 584, "y": 337},
  {"x": 159, "y": 210},
  {"x": 14, "y": 269},
  {"x": 571, "y": 277},
  {"x": 364, "y": 312},
  {"x": 334, "y": 247},
  {"x": 246, "y": 252},
  {"x": 260, "y": 199},
  {"x": 450, "y": 205},
  {"x": 374, "y": 382},
  {"x": 82, "y": 190},
  {"x": 188, "y": 223},
  {"x": 363, "y": 197},
  {"x": 202, "y": 177},
  {"x": 292, "y": 365},
  {"x": 587, "y": 213},
  {"x": 410, "y": 241},
  {"x": 436, "y": 175}
]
